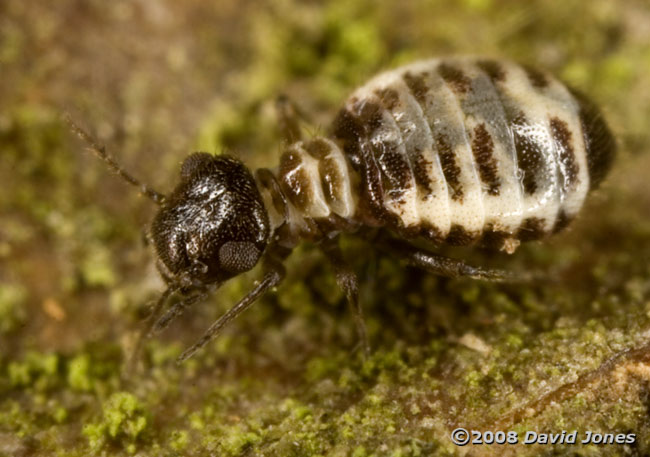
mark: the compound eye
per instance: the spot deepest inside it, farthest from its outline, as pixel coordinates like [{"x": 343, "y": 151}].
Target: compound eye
[
  {"x": 195, "y": 162},
  {"x": 238, "y": 256}
]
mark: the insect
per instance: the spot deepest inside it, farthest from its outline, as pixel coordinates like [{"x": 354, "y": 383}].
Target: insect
[{"x": 458, "y": 151}]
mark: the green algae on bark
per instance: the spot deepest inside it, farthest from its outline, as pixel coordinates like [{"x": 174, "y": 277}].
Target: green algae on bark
[{"x": 124, "y": 422}]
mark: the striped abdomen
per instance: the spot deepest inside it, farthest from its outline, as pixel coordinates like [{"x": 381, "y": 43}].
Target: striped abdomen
[{"x": 464, "y": 150}]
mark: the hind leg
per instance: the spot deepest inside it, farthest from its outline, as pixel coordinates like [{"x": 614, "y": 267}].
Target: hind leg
[
  {"x": 289, "y": 119},
  {"x": 445, "y": 266},
  {"x": 348, "y": 281}
]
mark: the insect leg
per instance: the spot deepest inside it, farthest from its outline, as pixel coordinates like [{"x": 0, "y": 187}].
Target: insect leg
[
  {"x": 445, "y": 266},
  {"x": 100, "y": 151},
  {"x": 150, "y": 321},
  {"x": 347, "y": 280},
  {"x": 272, "y": 277},
  {"x": 289, "y": 117},
  {"x": 176, "y": 310}
]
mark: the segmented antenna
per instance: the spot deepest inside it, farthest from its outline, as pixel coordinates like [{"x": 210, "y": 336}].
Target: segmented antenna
[{"x": 100, "y": 151}]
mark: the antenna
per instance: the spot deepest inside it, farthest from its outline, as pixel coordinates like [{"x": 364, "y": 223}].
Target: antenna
[{"x": 100, "y": 151}]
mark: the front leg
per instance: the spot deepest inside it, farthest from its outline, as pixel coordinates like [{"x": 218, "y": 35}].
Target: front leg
[
  {"x": 177, "y": 309},
  {"x": 274, "y": 273},
  {"x": 150, "y": 321},
  {"x": 181, "y": 284},
  {"x": 347, "y": 280}
]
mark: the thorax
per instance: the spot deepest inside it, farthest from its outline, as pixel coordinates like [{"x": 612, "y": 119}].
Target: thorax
[{"x": 313, "y": 192}]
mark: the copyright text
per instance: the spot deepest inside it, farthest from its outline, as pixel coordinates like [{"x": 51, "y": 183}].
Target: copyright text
[{"x": 461, "y": 437}]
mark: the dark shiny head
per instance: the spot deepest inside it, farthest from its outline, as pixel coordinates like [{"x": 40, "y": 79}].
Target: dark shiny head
[{"x": 214, "y": 225}]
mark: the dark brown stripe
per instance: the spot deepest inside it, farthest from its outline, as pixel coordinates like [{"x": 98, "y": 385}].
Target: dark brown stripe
[
  {"x": 394, "y": 164},
  {"x": 353, "y": 124},
  {"x": 418, "y": 86},
  {"x": 421, "y": 166},
  {"x": 530, "y": 153},
  {"x": 493, "y": 69},
  {"x": 430, "y": 233},
  {"x": 566, "y": 155},
  {"x": 351, "y": 128},
  {"x": 536, "y": 77},
  {"x": 295, "y": 180},
  {"x": 318, "y": 148},
  {"x": 456, "y": 79},
  {"x": 396, "y": 172},
  {"x": 483, "y": 147},
  {"x": 331, "y": 179},
  {"x": 289, "y": 161},
  {"x": 370, "y": 114},
  {"x": 389, "y": 97},
  {"x": 494, "y": 239},
  {"x": 450, "y": 168},
  {"x": 421, "y": 172},
  {"x": 370, "y": 118},
  {"x": 459, "y": 236},
  {"x": 347, "y": 129},
  {"x": 531, "y": 229},
  {"x": 599, "y": 141}
]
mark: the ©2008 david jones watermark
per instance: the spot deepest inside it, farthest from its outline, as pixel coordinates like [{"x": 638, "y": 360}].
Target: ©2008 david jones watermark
[{"x": 462, "y": 437}]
